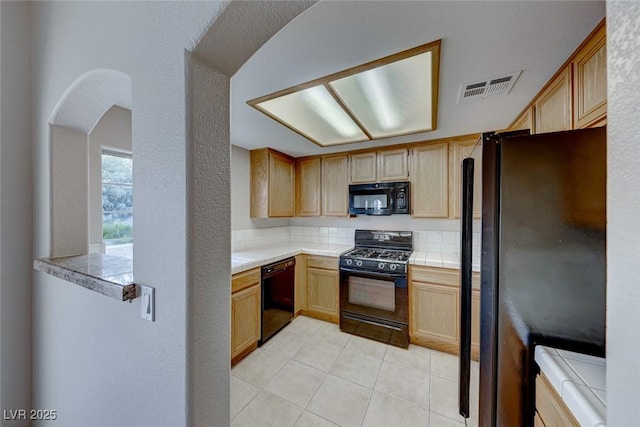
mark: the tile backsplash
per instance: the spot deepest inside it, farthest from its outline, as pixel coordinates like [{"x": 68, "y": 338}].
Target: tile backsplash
[{"x": 423, "y": 240}]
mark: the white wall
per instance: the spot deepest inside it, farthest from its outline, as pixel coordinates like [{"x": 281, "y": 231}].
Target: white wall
[
  {"x": 240, "y": 192},
  {"x": 95, "y": 360},
  {"x": 112, "y": 132},
  {"x": 69, "y": 192},
  {"x": 623, "y": 199},
  {"x": 15, "y": 207}
]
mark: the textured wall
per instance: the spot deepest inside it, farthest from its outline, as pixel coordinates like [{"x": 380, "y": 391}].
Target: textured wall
[
  {"x": 15, "y": 208},
  {"x": 95, "y": 360},
  {"x": 209, "y": 217},
  {"x": 69, "y": 192},
  {"x": 623, "y": 199}
]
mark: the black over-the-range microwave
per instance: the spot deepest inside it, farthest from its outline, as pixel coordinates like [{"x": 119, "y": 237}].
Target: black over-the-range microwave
[{"x": 384, "y": 198}]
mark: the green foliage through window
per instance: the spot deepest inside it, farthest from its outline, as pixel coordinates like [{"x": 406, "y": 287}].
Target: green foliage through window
[{"x": 117, "y": 199}]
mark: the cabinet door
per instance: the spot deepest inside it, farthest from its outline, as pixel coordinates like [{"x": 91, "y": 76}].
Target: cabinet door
[
  {"x": 393, "y": 165},
  {"x": 460, "y": 150},
  {"x": 434, "y": 316},
  {"x": 281, "y": 185},
  {"x": 363, "y": 168},
  {"x": 590, "y": 79},
  {"x": 323, "y": 291},
  {"x": 475, "y": 324},
  {"x": 245, "y": 319},
  {"x": 335, "y": 185},
  {"x": 429, "y": 181},
  {"x": 553, "y": 106},
  {"x": 524, "y": 121},
  {"x": 308, "y": 175},
  {"x": 551, "y": 408}
]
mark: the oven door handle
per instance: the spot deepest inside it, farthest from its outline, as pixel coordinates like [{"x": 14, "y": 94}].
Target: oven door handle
[
  {"x": 385, "y": 275},
  {"x": 370, "y": 322}
]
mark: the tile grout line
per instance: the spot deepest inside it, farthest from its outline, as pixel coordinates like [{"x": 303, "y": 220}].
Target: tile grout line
[
  {"x": 373, "y": 390},
  {"x": 326, "y": 374}
]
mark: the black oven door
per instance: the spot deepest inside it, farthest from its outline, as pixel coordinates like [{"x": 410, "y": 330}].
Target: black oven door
[{"x": 375, "y": 306}]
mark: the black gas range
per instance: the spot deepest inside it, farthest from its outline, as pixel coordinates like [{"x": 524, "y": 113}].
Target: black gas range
[{"x": 373, "y": 286}]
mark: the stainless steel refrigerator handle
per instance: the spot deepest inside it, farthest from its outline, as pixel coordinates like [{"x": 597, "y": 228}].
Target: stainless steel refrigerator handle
[{"x": 466, "y": 249}]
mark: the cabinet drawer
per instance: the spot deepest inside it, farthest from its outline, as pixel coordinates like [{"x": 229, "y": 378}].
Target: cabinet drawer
[
  {"x": 243, "y": 280},
  {"x": 328, "y": 263},
  {"x": 441, "y": 276}
]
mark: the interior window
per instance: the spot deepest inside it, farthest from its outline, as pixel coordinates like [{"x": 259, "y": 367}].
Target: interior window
[{"x": 117, "y": 203}]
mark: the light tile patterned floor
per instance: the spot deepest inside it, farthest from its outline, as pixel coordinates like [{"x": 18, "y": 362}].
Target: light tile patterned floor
[{"x": 311, "y": 374}]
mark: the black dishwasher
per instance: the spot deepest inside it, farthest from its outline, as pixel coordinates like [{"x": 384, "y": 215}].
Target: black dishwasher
[{"x": 278, "y": 281}]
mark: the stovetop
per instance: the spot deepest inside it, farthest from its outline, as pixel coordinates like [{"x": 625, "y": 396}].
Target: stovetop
[{"x": 379, "y": 254}]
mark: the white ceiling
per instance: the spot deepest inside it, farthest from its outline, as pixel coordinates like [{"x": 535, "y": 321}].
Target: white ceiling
[{"x": 480, "y": 40}]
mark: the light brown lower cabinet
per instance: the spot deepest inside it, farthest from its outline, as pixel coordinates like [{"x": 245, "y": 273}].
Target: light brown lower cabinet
[
  {"x": 245, "y": 313},
  {"x": 434, "y": 309},
  {"x": 551, "y": 411},
  {"x": 323, "y": 288}
]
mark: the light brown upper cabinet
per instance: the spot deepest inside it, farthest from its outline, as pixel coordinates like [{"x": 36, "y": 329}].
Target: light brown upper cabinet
[
  {"x": 590, "y": 80},
  {"x": 335, "y": 185},
  {"x": 272, "y": 184},
  {"x": 576, "y": 97},
  {"x": 553, "y": 106},
  {"x": 429, "y": 181},
  {"x": 380, "y": 166},
  {"x": 525, "y": 121},
  {"x": 364, "y": 168},
  {"x": 308, "y": 187},
  {"x": 393, "y": 165},
  {"x": 458, "y": 151}
]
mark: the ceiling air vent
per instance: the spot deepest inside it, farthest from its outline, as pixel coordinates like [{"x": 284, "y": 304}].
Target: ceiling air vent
[{"x": 500, "y": 85}]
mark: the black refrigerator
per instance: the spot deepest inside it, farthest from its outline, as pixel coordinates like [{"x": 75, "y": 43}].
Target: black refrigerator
[{"x": 543, "y": 261}]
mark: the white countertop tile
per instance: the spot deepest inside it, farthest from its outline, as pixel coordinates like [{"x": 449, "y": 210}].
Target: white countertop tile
[
  {"x": 246, "y": 259},
  {"x": 579, "y": 379},
  {"x": 255, "y": 257}
]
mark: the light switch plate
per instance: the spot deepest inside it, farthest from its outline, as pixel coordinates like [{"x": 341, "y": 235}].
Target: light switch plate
[{"x": 148, "y": 303}]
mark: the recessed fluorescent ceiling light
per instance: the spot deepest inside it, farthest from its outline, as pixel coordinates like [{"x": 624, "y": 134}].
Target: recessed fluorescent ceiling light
[
  {"x": 395, "y": 95},
  {"x": 315, "y": 114},
  {"x": 390, "y": 100}
]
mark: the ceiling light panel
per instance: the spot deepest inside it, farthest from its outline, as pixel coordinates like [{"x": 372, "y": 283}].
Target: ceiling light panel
[
  {"x": 393, "y": 99},
  {"x": 316, "y": 115},
  {"x": 391, "y": 96}
]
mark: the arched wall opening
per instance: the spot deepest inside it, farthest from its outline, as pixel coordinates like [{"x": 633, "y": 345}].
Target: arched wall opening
[
  {"x": 236, "y": 35},
  {"x": 75, "y": 194}
]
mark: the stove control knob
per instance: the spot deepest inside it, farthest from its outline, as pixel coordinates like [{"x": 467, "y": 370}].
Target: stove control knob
[
  {"x": 393, "y": 266},
  {"x": 359, "y": 263},
  {"x": 381, "y": 265},
  {"x": 349, "y": 261}
]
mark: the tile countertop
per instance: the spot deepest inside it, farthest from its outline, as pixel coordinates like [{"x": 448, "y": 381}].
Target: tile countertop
[
  {"x": 440, "y": 259},
  {"x": 258, "y": 256},
  {"x": 580, "y": 380}
]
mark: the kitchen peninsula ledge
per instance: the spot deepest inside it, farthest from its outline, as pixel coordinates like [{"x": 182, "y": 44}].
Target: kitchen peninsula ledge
[
  {"x": 580, "y": 381},
  {"x": 260, "y": 255},
  {"x": 108, "y": 275}
]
